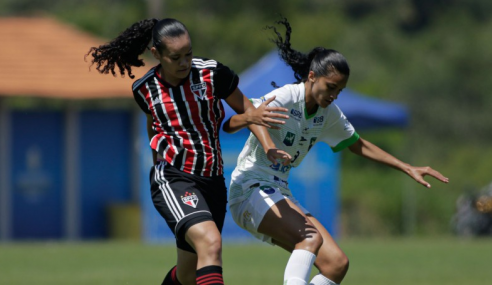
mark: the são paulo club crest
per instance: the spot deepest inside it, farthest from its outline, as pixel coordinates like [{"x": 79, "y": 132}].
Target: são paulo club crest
[
  {"x": 190, "y": 199},
  {"x": 199, "y": 90}
]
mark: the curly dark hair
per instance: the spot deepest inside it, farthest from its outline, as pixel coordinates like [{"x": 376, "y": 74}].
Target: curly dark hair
[
  {"x": 320, "y": 60},
  {"x": 124, "y": 51}
]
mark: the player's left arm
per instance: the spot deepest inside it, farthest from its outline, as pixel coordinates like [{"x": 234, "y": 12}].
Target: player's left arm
[{"x": 368, "y": 150}]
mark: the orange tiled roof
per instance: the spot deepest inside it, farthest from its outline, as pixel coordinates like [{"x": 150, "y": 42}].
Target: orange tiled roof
[{"x": 42, "y": 57}]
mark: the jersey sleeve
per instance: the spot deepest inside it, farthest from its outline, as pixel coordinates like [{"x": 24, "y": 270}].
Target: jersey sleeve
[
  {"x": 283, "y": 98},
  {"x": 225, "y": 81},
  {"x": 338, "y": 132},
  {"x": 140, "y": 97}
]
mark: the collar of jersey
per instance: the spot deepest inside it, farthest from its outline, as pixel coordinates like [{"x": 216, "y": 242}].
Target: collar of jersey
[
  {"x": 303, "y": 90},
  {"x": 164, "y": 82}
]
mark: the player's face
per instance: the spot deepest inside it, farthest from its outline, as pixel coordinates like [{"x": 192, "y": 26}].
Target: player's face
[
  {"x": 325, "y": 89},
  {"x": 175, "y": 58}
]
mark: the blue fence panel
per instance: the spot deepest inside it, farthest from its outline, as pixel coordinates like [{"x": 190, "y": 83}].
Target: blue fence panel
[
  {"x": 37, "y": 163},
  {"x": 105, "y": 167}
]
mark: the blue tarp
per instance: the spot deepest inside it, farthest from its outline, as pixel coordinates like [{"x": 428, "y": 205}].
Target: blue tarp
[{"x": 362, "y": 111}]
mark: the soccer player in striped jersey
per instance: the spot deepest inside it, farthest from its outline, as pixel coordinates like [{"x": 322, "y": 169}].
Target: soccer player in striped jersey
[
  {"x": 182, "y": 99},
  {"x": 260, "y": 200}
]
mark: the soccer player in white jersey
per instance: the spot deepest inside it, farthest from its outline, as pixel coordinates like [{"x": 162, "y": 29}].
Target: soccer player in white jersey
[{"x": 260, "y": 200}]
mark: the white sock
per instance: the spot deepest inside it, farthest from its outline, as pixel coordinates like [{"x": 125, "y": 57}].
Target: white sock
[
  {"x": 321, "y": 280},
  {"x": 298, "y": 268}
]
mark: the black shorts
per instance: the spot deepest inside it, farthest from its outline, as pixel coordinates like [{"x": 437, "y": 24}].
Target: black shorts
[{"x": 184, "y": 199}]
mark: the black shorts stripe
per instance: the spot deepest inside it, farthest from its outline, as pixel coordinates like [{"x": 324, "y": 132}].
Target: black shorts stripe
[{"x": 167, "y": 194}]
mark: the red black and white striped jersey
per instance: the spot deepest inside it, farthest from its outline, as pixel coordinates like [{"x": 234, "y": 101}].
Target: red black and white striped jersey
[{"x": 187, "y": 117}]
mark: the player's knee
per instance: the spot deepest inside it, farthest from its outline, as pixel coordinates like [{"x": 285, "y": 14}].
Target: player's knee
[
  {"x": 341, "y": 264},
  {"x": 210, "y": 245},
  {"x": 333, "y": 265},
  {"x": 312, "y": 241}
]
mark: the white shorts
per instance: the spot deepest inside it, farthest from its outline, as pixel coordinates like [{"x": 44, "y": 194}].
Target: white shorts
[{"x": 249, "y": 213}]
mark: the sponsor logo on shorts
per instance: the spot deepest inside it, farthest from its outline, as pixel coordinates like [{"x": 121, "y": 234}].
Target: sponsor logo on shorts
[
  {"x": 190, "y": 199},
  {"x": 267, "y": 189},
  {"x": 247, "y": 216}
]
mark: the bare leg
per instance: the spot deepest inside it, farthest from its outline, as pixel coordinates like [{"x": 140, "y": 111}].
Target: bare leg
[
  {"x": 331, "y": 261},
  {"x": 206, "y": 240},
  {"x": 288, "y": 225}
]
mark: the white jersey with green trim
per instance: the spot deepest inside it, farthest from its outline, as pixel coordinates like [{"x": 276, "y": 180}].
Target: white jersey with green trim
[{"x": 297, "y": 136}]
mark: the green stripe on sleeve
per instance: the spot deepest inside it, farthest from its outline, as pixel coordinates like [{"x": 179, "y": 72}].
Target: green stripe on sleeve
[{"x": 346, "y": 143}]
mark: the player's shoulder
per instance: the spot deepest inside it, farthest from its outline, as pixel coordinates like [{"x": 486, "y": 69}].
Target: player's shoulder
[
  {"x": 289, "y": 92},
  {"x": 333, "y": 112},
  {"x": 204, "y": 63},
  {"x": 141, "y": 81}
]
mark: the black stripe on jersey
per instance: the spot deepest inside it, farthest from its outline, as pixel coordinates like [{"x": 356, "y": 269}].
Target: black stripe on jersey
[
  {"x": 195, "y": 130},
  {"x": 218, "y": 117},
  {"x": 217, "y": 149},
  {"x": 207, "y": 122},
  {"x": 187, "y": 124},
  {"x": 156, "y": 97}
]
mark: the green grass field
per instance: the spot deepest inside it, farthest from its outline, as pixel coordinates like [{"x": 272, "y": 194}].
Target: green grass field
[{"x": 435, "y": 261}]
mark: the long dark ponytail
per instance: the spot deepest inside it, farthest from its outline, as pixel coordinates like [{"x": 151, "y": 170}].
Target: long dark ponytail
[
  {"x": 320, "y": 60},
  {"x": 124, "y": 51}
]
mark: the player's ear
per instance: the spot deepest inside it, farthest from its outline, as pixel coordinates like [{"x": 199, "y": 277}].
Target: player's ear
[
  {"x": 155, "y": 52},
  {"x": 311, "y": 77}
]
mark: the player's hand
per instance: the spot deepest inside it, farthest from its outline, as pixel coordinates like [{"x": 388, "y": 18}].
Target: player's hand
[
  {"x": 265, "y": 116},
  {"x": 275, "y": 154},
  {"x": 418, "y": 174}
]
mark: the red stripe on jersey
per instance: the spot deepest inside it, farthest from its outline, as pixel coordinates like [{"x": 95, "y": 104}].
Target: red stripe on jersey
[
  {"x": 207, "y": 77},
  {"x": 195, "y": 113},
  {"x": 156, "y": 138},
  {"x": 190, "y": 153},
  {"x": 175, "y": 120}
]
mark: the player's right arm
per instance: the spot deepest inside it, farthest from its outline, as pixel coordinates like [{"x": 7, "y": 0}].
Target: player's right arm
[{"x": 248, "y": 114}]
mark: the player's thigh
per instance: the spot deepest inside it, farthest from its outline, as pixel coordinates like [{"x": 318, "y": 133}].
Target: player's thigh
[
  {"x": 286, "y": 223},
  {"x": 204, "y": 237}
]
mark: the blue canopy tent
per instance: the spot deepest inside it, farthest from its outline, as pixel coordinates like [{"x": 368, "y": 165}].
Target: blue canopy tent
[
  {"x": 362, "y": 111},
  {"x": 319, "y": 172}
]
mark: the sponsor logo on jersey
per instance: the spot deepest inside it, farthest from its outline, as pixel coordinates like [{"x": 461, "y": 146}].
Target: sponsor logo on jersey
[
  {"x": 295, "y": 157},
  {"x": 296, "y": 114},
  {"x": 318, "y": 120},
  {"x": 280, "y": 182},
  {"x": 190, "y": 199},
  {"x": 301, "y": 142},
  {"x": 289, "y": 139},
  {"x": 267, "y": 189},
  {"x": 280, "y": 167},
  {"x": 199, "y": 90}
]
